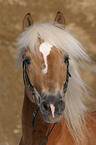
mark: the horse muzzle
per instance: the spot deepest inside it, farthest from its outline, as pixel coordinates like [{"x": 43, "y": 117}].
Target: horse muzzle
[{"x": 52, "y": 107}]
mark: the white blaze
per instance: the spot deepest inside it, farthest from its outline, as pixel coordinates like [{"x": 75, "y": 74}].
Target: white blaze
[{"x": 45, "y": 49}]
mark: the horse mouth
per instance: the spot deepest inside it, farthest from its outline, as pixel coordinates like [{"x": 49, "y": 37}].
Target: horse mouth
[
  {"x": 50, "y": 119},
  {"x": 52, "y": 108}
]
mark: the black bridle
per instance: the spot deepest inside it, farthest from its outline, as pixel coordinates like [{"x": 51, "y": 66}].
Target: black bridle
[{"x": 37, "y": 97}]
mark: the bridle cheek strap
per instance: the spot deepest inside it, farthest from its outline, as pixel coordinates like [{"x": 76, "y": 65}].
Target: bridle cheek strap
[
  {"x": 67, "y": 78},
  {"x": 29, "y": 85}
]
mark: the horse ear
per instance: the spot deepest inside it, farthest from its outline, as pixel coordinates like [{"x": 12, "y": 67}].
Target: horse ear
[
  {"x": 27, "y": 21},
  {"x": 60, "y": 18}
]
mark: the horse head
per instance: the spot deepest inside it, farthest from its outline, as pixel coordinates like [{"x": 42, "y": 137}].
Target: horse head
[{"x": 48, "y": 72}]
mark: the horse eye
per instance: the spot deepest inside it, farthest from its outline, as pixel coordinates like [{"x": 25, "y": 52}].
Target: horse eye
[
  {"x": 66, "y": 58},
  {"x": 27, "y": 60}
]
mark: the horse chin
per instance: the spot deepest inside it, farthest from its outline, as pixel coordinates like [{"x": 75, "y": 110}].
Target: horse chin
[{"x": 50, "y": 119}]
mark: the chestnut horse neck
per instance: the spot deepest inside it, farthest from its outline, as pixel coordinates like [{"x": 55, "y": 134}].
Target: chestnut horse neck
[
  {"x": 41, "y": 128},
  {"x": 59, "y": 136}
]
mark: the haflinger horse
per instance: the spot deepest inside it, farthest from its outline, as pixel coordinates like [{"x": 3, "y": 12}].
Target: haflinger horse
[{"x": 54, "y": 90}]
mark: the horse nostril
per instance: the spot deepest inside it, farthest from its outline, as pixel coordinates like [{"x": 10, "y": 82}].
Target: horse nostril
[
  {"x": 60, "y": 106},
  {"x": 61, "y": 102},
  {"x": 45, "y": 106}
]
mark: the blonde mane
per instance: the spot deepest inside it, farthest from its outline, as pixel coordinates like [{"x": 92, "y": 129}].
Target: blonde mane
[{"x": 58, "y": 36}]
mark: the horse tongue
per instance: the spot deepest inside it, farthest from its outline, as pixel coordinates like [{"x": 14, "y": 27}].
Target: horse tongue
[{"x": 52, "y": 110}]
